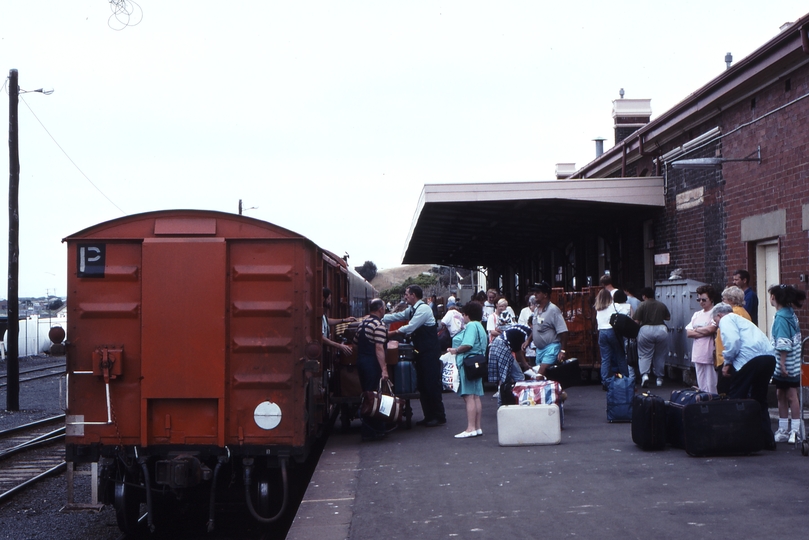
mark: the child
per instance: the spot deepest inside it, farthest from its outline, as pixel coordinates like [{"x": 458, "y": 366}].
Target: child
[{"x": 786, "y": 336}]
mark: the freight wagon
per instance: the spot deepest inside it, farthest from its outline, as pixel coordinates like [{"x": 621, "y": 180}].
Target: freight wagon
[{"x": 195, "y": 368}]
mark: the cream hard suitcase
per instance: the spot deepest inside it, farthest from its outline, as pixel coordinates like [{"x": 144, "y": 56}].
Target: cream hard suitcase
[{"x": 527, "y": 425}]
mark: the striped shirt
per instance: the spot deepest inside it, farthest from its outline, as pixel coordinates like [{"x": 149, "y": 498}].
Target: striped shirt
[
  {"x": 373, "y": 329},
  {"x": 786, "y": 336}
]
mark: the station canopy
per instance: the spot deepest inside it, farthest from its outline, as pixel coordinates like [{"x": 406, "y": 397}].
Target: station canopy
[{"x": 488, "y": 224}]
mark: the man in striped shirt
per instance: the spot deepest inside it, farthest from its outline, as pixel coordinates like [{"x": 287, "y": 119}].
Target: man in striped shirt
[{"x": 371, "y": 337}]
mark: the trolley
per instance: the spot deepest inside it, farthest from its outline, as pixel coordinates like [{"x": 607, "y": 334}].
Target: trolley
[{"x": 804, "y": 384}]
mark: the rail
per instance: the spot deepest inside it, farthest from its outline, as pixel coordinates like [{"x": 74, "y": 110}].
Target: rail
[{"x": 18, "y": 462}]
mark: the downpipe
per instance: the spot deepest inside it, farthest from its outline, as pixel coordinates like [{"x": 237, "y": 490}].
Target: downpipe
[{"x": 248, "y": 480}]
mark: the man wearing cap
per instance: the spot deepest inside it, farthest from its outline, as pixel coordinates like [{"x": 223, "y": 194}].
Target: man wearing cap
[{"x": 549, "y": 330}]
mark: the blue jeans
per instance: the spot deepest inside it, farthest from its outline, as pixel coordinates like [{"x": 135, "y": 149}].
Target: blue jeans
[{"x": 613, "y": 357}]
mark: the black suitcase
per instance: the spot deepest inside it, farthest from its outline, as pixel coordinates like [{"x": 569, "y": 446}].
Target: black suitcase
[
  {"x": 649, "y": 421},
  {"x": 674, "y": 412},
  {"x": 725, "y": 427},
  {"x": 568, "y": 373}
]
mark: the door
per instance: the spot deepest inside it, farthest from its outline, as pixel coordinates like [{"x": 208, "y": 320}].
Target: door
[{"x": 768, "y": 273}]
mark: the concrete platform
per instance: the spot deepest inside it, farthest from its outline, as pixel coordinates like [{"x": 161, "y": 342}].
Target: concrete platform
[{"x": 424, "y": 483}]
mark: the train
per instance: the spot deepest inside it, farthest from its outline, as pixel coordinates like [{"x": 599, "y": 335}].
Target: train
[{"x": 196, "y": 372}]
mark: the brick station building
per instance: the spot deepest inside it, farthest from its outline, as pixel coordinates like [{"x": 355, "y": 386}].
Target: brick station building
[
  {"x": 717, "y": 183},
  {"x": 721, "y": 214}
]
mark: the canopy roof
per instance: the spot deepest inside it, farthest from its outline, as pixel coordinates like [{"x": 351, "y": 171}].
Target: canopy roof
[{"x": 470, "y": 225}]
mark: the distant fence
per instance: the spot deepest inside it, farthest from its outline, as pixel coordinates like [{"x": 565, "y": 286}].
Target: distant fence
[{"x": 34, "y": 334}]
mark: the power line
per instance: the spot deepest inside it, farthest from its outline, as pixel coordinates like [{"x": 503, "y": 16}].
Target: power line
[{"x": 69, "y": 158}]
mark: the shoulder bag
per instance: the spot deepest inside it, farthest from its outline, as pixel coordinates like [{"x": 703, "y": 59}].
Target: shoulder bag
[
  {"x": 475, "y": 366},
  {"x": 623, "y": 324}
]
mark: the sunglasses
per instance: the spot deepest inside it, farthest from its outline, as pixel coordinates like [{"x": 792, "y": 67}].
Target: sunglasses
[{"x": 702, "y": 300}]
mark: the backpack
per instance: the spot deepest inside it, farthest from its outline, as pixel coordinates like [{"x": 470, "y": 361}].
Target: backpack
[{"x": 624, "y": 325}]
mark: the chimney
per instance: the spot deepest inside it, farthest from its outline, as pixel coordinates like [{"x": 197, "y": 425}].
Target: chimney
[
  {"x": 630, "y": 115},
  {"x": 728, "y": 60},
  {"x": 563, "y": 170},
  {"x": 599, "y": 146}
]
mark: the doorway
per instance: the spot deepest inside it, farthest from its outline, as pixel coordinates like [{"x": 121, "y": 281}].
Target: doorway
[{"x": 768, "y": 273}]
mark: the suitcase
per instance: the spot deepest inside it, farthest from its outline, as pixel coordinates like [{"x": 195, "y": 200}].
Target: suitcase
[
  {"x": 537, "y": 392},
  {"x": 726, "y": 427},
  {"x": 649, "y": 421},
  {"x": 568, "y": 373},
  {"x": 404, "y": 378},
  {"x": 674, "y": 412},
  {"x": 518, "y": 425},
  {"x": 350, "y": 381},
  {"x": 392, "y": 353},
  {"x": 620, "y": 391}
]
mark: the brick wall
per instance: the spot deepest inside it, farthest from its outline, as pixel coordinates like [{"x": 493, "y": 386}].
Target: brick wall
[
  {"x": 781, "y": 182},
  {"x": 705, "y": 239}
]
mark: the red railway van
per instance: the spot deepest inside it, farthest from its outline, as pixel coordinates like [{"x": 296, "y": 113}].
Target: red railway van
[{"x": 195, "y": 352}]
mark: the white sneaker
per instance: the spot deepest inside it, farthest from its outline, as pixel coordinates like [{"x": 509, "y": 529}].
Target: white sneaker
[
  {"x": 644, "y": 381},
  {"x": 781, "y": 435},
  {"x": 659, "y": 381},
  {"x": 794, "y": 436}
]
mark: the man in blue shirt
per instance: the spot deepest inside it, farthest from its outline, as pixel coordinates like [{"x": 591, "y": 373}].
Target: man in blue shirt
[
  {"x": 749, "y": 359},
  {"x": 741, "y": 278},
  {"x": 424, "y": 331}
]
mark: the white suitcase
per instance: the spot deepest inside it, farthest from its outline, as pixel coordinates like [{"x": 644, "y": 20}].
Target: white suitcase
[{"x": 526, "y": 425}]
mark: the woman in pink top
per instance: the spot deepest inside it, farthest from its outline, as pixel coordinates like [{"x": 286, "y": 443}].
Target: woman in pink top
[{"x": 702, "y": 329}]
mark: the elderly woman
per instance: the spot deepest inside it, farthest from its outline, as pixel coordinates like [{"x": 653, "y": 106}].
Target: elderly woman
[
  {"x": 702, "y": 329},
  {"x": 470, "y": 341},
  {"x": 734, "y": 297},
  {"x": 502, "y": 318},
  {"x": 749, "y": 362}
]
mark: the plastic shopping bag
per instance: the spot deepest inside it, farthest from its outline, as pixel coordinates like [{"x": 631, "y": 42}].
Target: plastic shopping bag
[{"x": 449, "y": 374}]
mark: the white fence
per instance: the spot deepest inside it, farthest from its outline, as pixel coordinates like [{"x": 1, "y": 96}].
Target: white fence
[{"x": 34, "y": 335}]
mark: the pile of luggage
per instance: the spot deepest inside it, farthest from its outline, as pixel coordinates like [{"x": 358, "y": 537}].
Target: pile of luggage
[
  {"x": 532, "y": 413},
  {"x": 702, "y": 424}
]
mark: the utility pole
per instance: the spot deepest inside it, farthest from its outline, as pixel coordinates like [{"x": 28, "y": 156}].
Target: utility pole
[{"x": 13, "y": 372}]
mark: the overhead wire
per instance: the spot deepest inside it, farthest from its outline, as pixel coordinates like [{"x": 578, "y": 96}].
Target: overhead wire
[{"x": 69, "y": 158}]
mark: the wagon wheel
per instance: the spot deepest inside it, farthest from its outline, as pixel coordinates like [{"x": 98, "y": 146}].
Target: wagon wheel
[
  {"x": 805, "y": 448},
  {"x": 263, "y": 495},
  {"x": 127, "y": 505}
]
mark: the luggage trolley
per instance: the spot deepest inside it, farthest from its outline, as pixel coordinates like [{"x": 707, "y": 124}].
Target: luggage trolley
[{"x": 803, "y": 385}]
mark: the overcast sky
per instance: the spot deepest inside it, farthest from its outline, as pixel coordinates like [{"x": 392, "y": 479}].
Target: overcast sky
[{"x": 329, "y": 117}]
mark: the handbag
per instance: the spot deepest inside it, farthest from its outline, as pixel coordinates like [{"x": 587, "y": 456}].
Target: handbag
[
  {"x": 382, "y": 405},
  {"x": 475, "y": 366},
  {"x": 623, "y": 324}
]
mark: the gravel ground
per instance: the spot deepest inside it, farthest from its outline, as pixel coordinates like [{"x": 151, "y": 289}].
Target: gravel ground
[{"x": 35, "y": 512}]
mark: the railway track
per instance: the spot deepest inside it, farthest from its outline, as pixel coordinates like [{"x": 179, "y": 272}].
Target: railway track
[
  {"x": 32, "y": 374},
  {"x": 29, "y": 453}
]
